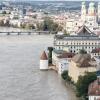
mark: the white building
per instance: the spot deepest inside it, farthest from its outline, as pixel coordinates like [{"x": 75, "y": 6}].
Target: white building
[
  {"x": 43, "y": 61},
  {"x": 60, "y": 60},
  {"x": 84, "y": 39}
]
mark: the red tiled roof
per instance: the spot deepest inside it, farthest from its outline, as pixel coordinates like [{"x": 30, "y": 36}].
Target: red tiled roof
[
  {"x": 66, "y": 55},
  {"x": 43, "y": 56},
  {"x": 94, "y": 88},
  {"x": 96, "y": 50}
]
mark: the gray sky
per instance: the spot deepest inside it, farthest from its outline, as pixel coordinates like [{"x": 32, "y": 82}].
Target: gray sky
[{"x": 52, "y": 0}]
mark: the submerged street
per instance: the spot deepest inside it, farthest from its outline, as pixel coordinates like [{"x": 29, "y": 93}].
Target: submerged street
[{"x": 20, "y": 77}]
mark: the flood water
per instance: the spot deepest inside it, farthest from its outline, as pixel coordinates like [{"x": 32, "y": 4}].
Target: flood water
[{"x": 20, "y": 77}]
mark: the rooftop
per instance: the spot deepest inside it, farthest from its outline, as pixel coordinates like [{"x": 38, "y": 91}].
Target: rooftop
[
  {"x": 43, "y": 56},
  {"x": 83, "y": 34},
  {"x": 66, "y": 55},
  {"x": 97, "y": 50},
  {"x": 84, "y": 31},
  {"x": 83, "y": 60},
  {"x": 94, "y": 88}
]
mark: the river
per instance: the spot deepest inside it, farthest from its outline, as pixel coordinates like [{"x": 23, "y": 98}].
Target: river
[{"x": 20, "y": 77}]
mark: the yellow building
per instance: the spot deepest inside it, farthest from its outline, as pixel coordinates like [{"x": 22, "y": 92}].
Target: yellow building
[{"x": 80, "y": 64}]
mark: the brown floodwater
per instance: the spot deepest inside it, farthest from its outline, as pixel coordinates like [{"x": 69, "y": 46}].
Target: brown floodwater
[{"x": 20, "y": 77}]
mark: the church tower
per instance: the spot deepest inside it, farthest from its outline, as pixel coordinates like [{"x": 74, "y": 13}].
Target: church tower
[
  {"x": 91, "y": 9},
  {"x": 83, "y": 11},
  {"x": 92, "y": 17},
  {"x": 99, "y": 11},
  {"x": 43, "y": 61}
]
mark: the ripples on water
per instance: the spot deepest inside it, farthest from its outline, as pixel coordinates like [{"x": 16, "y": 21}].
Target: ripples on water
[{"x": 20, "y": 77}]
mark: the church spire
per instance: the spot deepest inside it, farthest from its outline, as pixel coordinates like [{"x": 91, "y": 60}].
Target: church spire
[
  {"x": 91, "y": 9},
  {"x": 83, "y": 11}
]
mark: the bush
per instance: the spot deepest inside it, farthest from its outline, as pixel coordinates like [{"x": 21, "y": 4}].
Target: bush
[
  {"x": 49, "y": 25},
  {"x": 83, "y": 83},
  {"x": 65, "y": 76},
  {"x": 82, "y": 51},
  {"x": 50, "y": 49}
]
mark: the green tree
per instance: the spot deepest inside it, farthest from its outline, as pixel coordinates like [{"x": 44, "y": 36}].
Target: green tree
[
  {"x": 1, "y": 23},
  {"x": 49, "y": 25},
  {"x": 29, "y": 26},
  {"x": 50, "y": 49},
  {"x": 39, "y": 26},
  {"x": 7, "y": 23},
  {"x": 4, "y": 12},
  {"x": 23, "y": 25},
  {"x": 82, "y": 51},
  {"x": 65, "y": 76},
  {"x": 83, "y": 83}
]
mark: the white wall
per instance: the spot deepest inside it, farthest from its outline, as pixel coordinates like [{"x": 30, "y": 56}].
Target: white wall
[
  {"x": 63, "y": 65},
  {"x": 43, "y": 64},
  {"x": 94, "y": 97}
]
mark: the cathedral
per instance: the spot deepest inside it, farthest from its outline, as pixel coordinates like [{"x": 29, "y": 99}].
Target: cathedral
[{"x": 91, "y": 16}]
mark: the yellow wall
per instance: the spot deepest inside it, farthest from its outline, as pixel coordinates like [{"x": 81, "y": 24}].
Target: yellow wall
[{"x": 75, "y": 71}]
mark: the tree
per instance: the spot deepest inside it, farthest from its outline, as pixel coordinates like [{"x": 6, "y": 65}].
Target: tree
[
  {"x": 65, "y": 76},
  {"x": 29, "y": 26},
  {"x": 49, "y": 25},
  {"x": 82, "y": 51},
  {"x": 50, "y": 49},
  {"x": 83, "y": 83},
  {"x": 4, "y": 12},
  {"x": 7, "y": 23},
  {"x": 23, "y": 25},
  {"x": 39, "y": 26},
  {"x": 1, "y": 23}
]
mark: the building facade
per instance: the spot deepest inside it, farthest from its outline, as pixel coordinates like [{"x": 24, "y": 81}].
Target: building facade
[
  {"x": 61, "y": 59},
  {"x": 79, "y": 65},
  {"x": 83, "y": 39}
]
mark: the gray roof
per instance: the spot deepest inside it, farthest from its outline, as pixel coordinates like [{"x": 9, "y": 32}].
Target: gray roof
[{"x": 84, "y": 31}]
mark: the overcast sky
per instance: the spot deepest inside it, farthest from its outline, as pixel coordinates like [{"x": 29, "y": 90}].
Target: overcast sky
[{"x": 52, "y": 0}]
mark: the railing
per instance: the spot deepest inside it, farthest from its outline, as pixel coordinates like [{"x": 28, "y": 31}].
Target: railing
[{"x": 25, "y": 32}]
